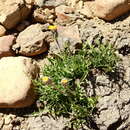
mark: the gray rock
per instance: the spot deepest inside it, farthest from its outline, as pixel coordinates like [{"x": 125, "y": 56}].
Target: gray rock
[
  {"x": 113, "y": 104},
  {"x": 53, "y": 3},
  {"x": 46, "y": 123},
  {"x": 108, "y": 111},
  {"x": 89, "y": 32},
  {"x": 116, "y": 34}
]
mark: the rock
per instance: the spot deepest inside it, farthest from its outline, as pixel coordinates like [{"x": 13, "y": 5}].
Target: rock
[
  {"x": 77, "y": 4},
  {"x": 72, "y": 3},
  {"x": 113, "y": 98},
  {"x": 2, "y": 31},
  {"x": 7, "y": 120},
  {"x": 69, "y": 33},
  {"x": 64, "y": 9},
  {"x": 24, "y": 125},
  {"x": 16, "y": 88},
  {"x": 122, "y": 41},
  {"x": 108, "y": 111},
  {"x": 85, "y": 10},
  {"x": 44, "y": 15},
  {"x": 7, "y": 127},
  {"x": 66, "y": 35},
  {"x": 102, "y": 80},
  {"x": 116, "y": 33},
  {"x": 103, "y": 83},
  {"x": 13, "y": 11},
  {"x": 33, "y": 40},
  {"x": 109, "y": 9},
  {"x": 114, "y": 111},
  {"x": 64, "y": 19},
  {"x": 108, "y": 117},
  {"x": 52, "y": 3},
  {"x": 113, "y": 103},
  {"x": 65, "y": 14},
  {"x": 47, "y": 123},
  {"x": 22, "y": 26},
  {"x": 89, "y": 32},
  {"x": 39, "y": 3},
  {"x": 125, "y": 114},
  {"x": 6, "y": 43},
  {"x": 1, "y": 122}
]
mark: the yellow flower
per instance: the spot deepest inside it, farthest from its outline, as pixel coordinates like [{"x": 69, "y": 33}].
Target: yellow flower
[
  {"x": 45, "y": 79},
  {"x": 64, "y": 81},
  {"x": 52, "y": 27}
]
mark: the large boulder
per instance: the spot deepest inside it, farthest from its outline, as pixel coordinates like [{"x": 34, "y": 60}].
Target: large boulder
[
  {"x": 16, "y": 88},
  {"x": 33, "y": 40},
  {"x": 13, "y": 11},
  {"x": 108, "y": 9},
  {"x": 6, "y": 43}
]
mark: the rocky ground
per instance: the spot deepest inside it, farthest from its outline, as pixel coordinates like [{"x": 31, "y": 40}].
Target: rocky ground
[{"x": 32, "y": 38}]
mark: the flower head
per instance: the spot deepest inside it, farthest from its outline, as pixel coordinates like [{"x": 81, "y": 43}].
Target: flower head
[
  {"x": 52, "y": 27},
  {"x": 45, "y": 79},
  {"x": 64, "y": 81}
]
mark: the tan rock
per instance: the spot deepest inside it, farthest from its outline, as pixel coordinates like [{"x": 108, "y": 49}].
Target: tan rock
[
  {"x": 16, "y": 88},
  {"x": 38, "y": 3},
  {"x": 2, "y": 31},
  {"x": 44, "y": 15},
  {"x": 86, "y": 11},
  {"x": 109, "y": 9},
  {"x": 1, "y": 122},
  {"x": 64, "y": 14},
  {"x": 7, "y": 119},
  {"x": 6, "y": 43},
  {"x": 69, "y": 32},
  {"x": 72, "y": 3},
  {"x": 64, "y": 9},
  {"x": 13, "y": 11},
  {"x": 33, "y": 40},
  {"x": 66, "y": 34},
  {"x": 7, "y": 127}
]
